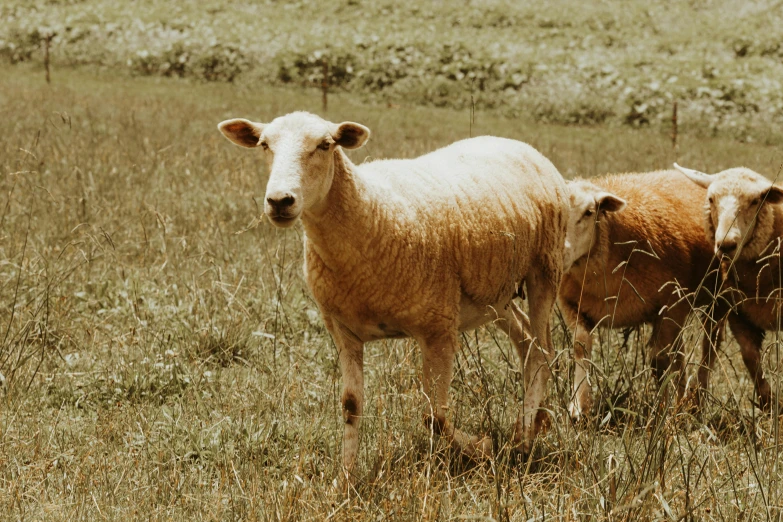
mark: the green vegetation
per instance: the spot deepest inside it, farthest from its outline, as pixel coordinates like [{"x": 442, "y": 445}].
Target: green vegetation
[
  {"x": 563, "y": 61},
  {"x": 162, "y": 358}
]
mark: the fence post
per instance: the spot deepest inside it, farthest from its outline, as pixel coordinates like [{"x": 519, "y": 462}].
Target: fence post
[{"x": 47, "y": 40}]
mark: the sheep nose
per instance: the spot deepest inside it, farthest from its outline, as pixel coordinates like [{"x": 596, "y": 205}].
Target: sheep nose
[
  {"x": 727, "y": 246},
  {"x": 281, "y": 204}
]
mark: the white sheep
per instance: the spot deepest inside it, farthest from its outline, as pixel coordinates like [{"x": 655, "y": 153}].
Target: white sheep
[
  {"x": 420, "y": 248},
  {"x": 635, "y": 255},
  {"x": 743, "y": 221}
]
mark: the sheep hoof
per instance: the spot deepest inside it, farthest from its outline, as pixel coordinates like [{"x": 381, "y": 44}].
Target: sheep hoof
[
  {"x": 481, "y": 448},
  {"x": 543, "y": 422},
  {"x": 521, "y": 451},
  {"x": 575, "y": 411},
  {"x": 525, "y": 436},
  {"x": 580, "y": 407},
  {"x": 767, "y": 404},
  {"x": 346, "y": 482},
  {"x": 476, "y": 449},
  {"x": 691, "y": 402}
]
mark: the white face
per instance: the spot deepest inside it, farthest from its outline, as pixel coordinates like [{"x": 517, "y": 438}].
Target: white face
[
  {"x": 733, "y": 217},
  {"x": 589, "y": 203},
  {"x": 737, "y": 201},
  {"x": 299, "y": 150}
]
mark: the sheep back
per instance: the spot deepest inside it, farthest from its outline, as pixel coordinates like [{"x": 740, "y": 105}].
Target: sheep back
[
  {"x": 657, "y": 239},
  {"x": 461, "y": 224}
]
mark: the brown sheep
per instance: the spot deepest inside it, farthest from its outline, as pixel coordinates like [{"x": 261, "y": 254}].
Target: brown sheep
[
  {"x": 636, "y": 254},
  {"x": 743, "y": 221},
  {"x": 422, "y": 248}
]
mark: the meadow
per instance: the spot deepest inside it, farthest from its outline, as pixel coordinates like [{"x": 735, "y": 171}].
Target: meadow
[
  {"x": 610, "y": 62},
  {"x": 163, "y": 360}
]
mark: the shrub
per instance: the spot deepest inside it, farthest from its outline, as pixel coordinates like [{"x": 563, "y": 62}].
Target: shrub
[
  {"x": 445, "y": 77},
  {"x": 308, "y": 68},
  {"x": 220, "y": 62},
  {"x": 20, "y": 45},
  {"x": 216, "y": 62}
]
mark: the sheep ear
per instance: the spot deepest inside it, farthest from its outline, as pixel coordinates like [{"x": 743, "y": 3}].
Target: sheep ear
[
  {"x": 697, "y": 177},
  {"x": 244, "y": 133},
  {"x": 350, "y": 135},
  {"x": 774, "y": 195},
  {"x": 609, "y": 202}
]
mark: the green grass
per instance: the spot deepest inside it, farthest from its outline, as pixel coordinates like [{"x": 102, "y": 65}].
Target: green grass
[
  {"x": 163, "y": 359},
  {"x": 564, "y": 61}
]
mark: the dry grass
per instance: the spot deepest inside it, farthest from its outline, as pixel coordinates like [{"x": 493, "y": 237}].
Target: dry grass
[{"x": 163, "y": 360}]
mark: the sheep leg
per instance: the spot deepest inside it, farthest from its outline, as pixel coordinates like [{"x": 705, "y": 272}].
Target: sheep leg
[
  {"x": 517, "y": 326},
  {"x": 582, "y": 400},
  {"x": 351, "y": 354},
  {"x": 666, "y": 343},
  {"x": 712, "y": 339},
  {"x": 438, "y": 368},
  {"x": 536, "y": 355},
  {"x": 749, "y": 337}
]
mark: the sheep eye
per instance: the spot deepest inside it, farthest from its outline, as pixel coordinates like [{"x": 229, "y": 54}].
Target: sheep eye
[
  {"x": 712, "y": 200},
  {"x": 264, "y": 145},
  {"x": 588, "y": 213},
  {"x": 755, "y": 202},
  {"x": 324, "y": 145}
]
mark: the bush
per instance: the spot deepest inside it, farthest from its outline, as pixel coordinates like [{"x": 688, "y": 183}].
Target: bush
[
  {"x": 213, "y": 63},
  {"x": 220, "y": 63},
  {"x": 308, "y": 68},
  {"x": 745, "y": 47},
  {"x": 445, "y": 77},
  {"x": 20, "y": 45}
]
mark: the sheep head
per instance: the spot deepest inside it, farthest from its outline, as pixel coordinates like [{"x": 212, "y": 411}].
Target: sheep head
[
  {"x": 300, "y": 151},
  {"x": 738, "y": 219},
  {"x": 588, "y": 204}
]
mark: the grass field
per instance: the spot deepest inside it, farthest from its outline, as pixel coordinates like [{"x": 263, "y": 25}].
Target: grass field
[
  {"x": 162, "y": 358},
  {"x": 565, "y": 61}
]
